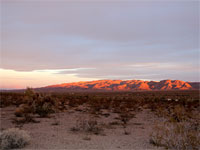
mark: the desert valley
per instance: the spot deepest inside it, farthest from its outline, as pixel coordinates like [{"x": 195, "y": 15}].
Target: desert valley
[
  {"x": 104, "y": 114},
  {"x": 100, "y": 74}
]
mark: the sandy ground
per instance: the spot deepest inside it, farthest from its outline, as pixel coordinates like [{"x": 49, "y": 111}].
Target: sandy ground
[{"x": 47, "y": 135}]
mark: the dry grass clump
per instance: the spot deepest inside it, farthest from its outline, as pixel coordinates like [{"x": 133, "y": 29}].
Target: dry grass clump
[
  {"x": 181, "y": 129},
  {"x": 14, "y": 138},
  {"x": 176, "y": 135},
  {"x": 87, "y": 125}
]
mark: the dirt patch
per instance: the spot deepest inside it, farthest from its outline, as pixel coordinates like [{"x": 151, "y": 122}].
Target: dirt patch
[{"x": 54, "y": 132}]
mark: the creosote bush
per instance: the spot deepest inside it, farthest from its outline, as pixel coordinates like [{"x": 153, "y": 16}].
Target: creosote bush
[
  {"x": 14, "y": 138},
  {"x": 36, "y": 103},
  {"x": 44, "y": 106}
]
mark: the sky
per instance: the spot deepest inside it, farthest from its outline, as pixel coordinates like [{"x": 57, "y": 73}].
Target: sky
[{"x": 46, "y": 42}]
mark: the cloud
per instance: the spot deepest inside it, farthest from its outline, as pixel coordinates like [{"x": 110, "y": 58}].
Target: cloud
[
  {"x": 148, "y": 71},
  {"x": 159, "y": 39},
  {"x": 37, "y": 78},
  {"x": 166, "y": 66}
]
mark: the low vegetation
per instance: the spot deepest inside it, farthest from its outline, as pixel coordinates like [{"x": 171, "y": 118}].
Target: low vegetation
[
  {"x": 179, "y": 109},
  {"x": 176, "y": 135},
  {"x": 14, "y": 138},
  {"x": 180, "y": 129},
  {"x": 87, "y": 125}
]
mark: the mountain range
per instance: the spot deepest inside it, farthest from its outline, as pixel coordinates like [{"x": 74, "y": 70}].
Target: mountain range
[{"x": 123, "y": 85}]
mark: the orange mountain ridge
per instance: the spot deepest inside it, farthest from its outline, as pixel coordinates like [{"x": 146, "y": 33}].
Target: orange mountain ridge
[{"x": 127, "y": 85}]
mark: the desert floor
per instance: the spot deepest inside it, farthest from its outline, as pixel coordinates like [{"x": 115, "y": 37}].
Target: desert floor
[{"x": 55, "y": 132}]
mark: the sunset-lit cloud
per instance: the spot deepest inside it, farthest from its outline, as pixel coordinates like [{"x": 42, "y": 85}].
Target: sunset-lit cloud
[
  {"x": 36, "y": 78},
  {"x": 47, "y": 42}
]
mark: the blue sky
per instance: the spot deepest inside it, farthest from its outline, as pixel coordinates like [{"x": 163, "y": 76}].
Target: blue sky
[{"x": 88, "y": 40}]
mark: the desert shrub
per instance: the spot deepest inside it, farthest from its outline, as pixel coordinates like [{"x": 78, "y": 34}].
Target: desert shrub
[
  {"x": 44, "y": 106},
  {"x": 22, "y": 110},
  {"x": 37, "y": 103},
  {"x": 176, "y": 135},
  {"x": 27, "y": 118},
  {"x": 179, "y": 113},
  {"x": 125, "y": 116},
  {"x": 95, "y": 105},
  {"x": 87, "y": 125},
  {"x": 7, "y": 99},
  {"x": 174, "y": 113},
  {"x": 14, "y": 138},
  {"x": 29, "y": 92},
  {"x": 162, "y": 112}
]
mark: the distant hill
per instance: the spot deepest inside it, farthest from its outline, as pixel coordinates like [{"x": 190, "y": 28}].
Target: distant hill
[{"x": 121, "y": 85}]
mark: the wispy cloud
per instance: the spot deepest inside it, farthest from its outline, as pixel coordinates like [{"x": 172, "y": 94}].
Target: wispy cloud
[{"x": 167, "y": 66}]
